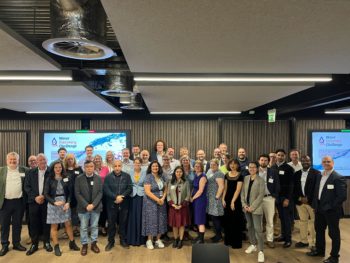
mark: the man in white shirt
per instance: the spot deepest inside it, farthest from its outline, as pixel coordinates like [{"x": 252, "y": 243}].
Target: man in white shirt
[
  {"x": 173, "y": 162},
  {"x": 294, "y": 157},
  {"x": 128, "y": 164},
  {"x": 200, "y": 155},
  {"x": 11, "y": 202}
]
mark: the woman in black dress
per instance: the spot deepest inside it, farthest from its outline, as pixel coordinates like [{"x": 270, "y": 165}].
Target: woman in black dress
[{"x": 233, "y": 217}]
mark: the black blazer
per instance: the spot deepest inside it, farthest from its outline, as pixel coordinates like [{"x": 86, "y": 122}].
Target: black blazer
[
  {"x": 273, "y": 182},
  {"x": 309, "y": 185},
  {"x": 285, "y": 173},
  {"x": 51, "y": 187},
  {"x": 82, "y": 193},
  {"x": 333, "y": 194},
  {"x": 72, "y": 175},
  {"x": 31, "y": 183}
]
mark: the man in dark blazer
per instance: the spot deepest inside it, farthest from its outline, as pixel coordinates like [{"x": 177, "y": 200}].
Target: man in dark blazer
[
  {"x": 117, "y": 189},
  {"x": 37, "y": 205},
  {"x": 12, "y": 203},
  {"x": 304, "y": 187},
  {"x": 272, "y": 189},
  {"x": 329, "y": 195},
  {"x": 88, "y": 192},
  {"x": 285, "y": 199}
]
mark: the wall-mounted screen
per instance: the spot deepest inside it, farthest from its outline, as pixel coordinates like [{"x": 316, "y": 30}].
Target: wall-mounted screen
[
  {"x": 335, "y": 143},
  {"x": 75, "y": 142}
]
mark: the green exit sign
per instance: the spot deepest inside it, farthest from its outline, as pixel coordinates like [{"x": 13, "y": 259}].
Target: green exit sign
[{"x": 271, "y": 115}]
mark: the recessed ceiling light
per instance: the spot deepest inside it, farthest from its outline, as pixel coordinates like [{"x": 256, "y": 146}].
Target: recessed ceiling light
[
  {"x": 71, "y": 112},
  {"x": 337, "y": 112},
  {"x": 195, "y": 112},
  {"x": 36, "y": 75}
]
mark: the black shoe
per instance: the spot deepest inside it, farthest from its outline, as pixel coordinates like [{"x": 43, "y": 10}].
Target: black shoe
[
  {"x": 216, "y": 239},
  {"x": 331, "y": 260},
  {"x": 280, "y": 239},
  {"x": 179, "y": 244},
  {"x": 4, "y": 250},
  {"x": 200, "y": 239},
  {"x": 32, "y": 250},
  {"x": 109, "y": 246},
  {"x": 287, "y": 244},
  {"x": 124, "y": 244},
  {"x": 73, "y": 246},
  {"x": 175, "y": 243},
  {"x": 58, "y": 252},
  {"x": 301, "y": 244},
  {"x": 315, "y": 253},
  {"x": 19, "y": 247},
  {"x": 48, "y": 247}
]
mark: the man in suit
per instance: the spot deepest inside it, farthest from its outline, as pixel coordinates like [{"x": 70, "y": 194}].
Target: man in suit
[
  {"x": 285, "y": 199},
  {"x": 136, "y": 152},
  {"x": 34, "y": 187},
  {"x": 243, "y": 161},
  {"x": 304, "y": 187},
  {"x": 88, "y": 192},
  {"x": 117, "y": 189},
  {"x": 329, "y": 195},
  {"x": 272, "y": 189},
  {"x": 11, "y": 202},
  {"x": 200, "y": 155}
]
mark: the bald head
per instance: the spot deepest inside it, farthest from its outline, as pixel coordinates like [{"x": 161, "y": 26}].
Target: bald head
[
  {"x": 327, "y": 163},
  {"x": 117, "y": 166}
]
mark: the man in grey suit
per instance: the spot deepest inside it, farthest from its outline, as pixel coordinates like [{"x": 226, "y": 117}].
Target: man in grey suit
[
  {"x": 88, "y": 192},
  {"x": 11, "y": 202}
]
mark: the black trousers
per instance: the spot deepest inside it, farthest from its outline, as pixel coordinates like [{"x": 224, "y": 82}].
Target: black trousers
[
  {"x": 285, "y": 214},
  {"x": 322, "y": 221},
  {"x": 37, "y": 222},
  {"x": 217, "y": 225},
  {"x": 118, "y": 214},
  {"x": 11, "y": 213}
]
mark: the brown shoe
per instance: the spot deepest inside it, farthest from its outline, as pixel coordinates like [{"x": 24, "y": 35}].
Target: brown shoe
[
  {"x": 270, "y": 244},
  {"x": 94, "y": 247},
  {"x": 84, "y": 249}
]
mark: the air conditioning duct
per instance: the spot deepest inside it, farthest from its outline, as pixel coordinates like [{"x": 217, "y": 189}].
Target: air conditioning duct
[
  {"x": 119, "y": 85},
  {"x": 78, "y": 30},
  {"x": 136, "y": 103}
]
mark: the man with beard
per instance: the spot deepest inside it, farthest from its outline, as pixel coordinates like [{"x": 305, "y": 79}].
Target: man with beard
[{"x": 243, "y": 161}]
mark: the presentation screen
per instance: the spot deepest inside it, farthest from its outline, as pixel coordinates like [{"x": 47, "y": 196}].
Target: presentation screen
[
  {"x": 335, "y": 143},
  {"x": 75, "y": 142}
]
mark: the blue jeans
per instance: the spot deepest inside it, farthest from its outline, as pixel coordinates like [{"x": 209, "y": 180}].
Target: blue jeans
[{"x": 84, "y": 226}]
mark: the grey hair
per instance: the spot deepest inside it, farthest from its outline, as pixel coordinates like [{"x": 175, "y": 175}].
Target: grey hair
[{"x": 13, "y": 154}]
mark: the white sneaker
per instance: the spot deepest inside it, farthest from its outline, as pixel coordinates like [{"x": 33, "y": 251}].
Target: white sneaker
[
  {"x": 149, "y": 244},
  {"x": 250, "y": 249},
  {"x": 261, "y": 257},
  {"x": 159, "y": 243}
]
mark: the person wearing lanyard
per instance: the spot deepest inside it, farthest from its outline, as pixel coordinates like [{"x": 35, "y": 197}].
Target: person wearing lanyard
[
  {"x": 34, "y": 187},
  {"x": 154, "y": 215},
  {"x": 88, "y": 193},
  {"x": 117, "y": 188},
  {"x": 329, "y": 195}
]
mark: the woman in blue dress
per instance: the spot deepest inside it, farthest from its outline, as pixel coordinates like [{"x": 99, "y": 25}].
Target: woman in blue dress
[
  {"x": 154, "y": 214},
  {"x": 199, "y": 200},
  {"x": 138, "y": 176}
]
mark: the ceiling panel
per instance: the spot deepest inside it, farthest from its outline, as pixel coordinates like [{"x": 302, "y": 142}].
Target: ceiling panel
[
  {"x": 51, "y": 97},
  {"x": 213, "y": 98},
  {"x": 224, "y": 36},
  {"x": 16, "y": 53}
]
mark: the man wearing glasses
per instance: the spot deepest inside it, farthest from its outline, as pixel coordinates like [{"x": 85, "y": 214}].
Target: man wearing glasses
[{"x": 329, "y": 195}]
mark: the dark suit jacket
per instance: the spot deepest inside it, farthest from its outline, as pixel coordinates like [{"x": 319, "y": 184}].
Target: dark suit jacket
[
  {"x": 285, "y": 173},
  {"x": 331, "y": 199},
  {"x": 31, "y": 184},
  {"x": 309, "y": 185},
  {"x": 273, "y": 182},
  {"x": 82, "y": 193},
  {"x": 51, "y": 187},
  {"x": 3, "y": 177}
]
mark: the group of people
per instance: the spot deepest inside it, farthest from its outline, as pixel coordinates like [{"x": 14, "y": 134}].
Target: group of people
[{"x": 146, "y": 193}]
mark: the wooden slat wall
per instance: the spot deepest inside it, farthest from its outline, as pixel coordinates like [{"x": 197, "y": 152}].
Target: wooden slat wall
[
  {"x": 303, "y": 126},
  {"x": 34, "y": 126},
  {"x": 13, "y": 142},
  {"x": 194, "y": 134},
  {"x": 256, "y": 137}
]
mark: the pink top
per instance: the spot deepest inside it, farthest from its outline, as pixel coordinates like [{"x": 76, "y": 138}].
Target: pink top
[{"x": 103, "y": 173}]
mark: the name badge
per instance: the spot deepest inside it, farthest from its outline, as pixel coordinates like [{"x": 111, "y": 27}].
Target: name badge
[
  {"x": 271, "y": 180},
  {"x": 76, "y": 172},
  {"x": 173, "y": 187},
  {"x": 22, "y": 174},
  {"x": 246, "y": 167},
  {"x": 161, "y": 193},
  {"x": 91, "y": 183},
  {"x": 65, "y": 180},
  {"x": 281, "y": 172},
  {"x": 330, "y": 186}
]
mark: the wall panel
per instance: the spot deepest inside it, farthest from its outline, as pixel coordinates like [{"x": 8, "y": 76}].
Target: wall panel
[
  {"x": 13, "y": 142},
  {"x": 256, "y": 137}
]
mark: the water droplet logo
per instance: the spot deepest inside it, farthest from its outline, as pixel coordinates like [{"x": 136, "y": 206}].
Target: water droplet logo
[
  {"x": 54, "y": 142},
  {"x": 321, "y": 140}
]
